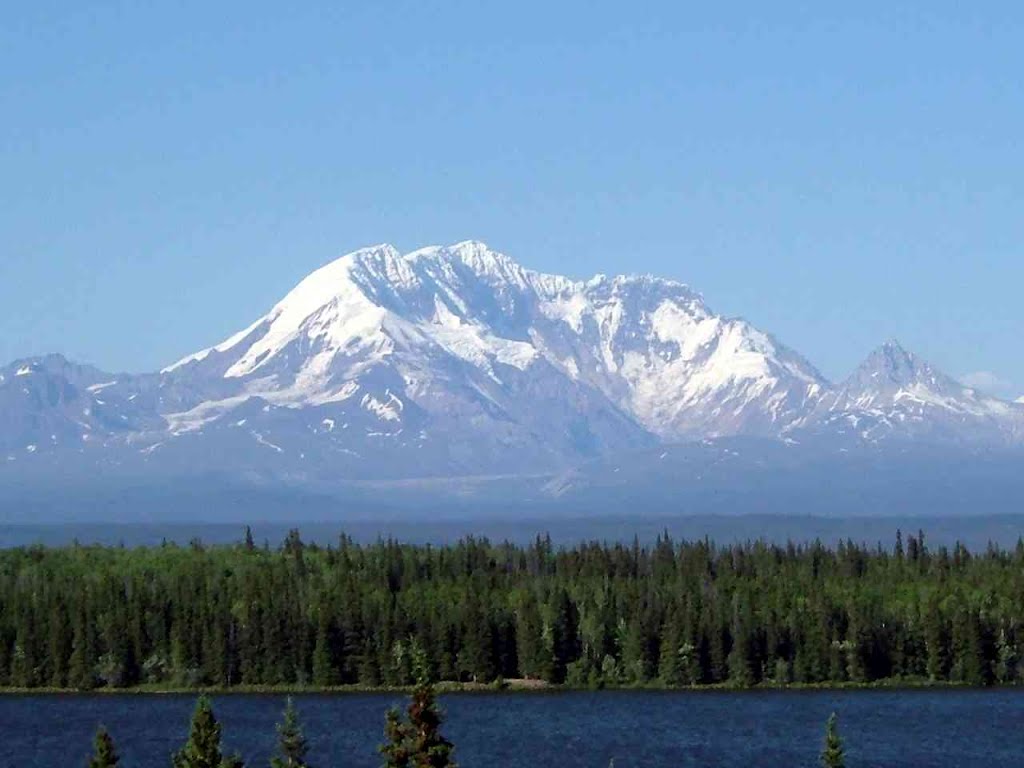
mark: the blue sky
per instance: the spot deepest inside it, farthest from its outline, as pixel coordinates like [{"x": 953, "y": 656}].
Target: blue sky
[{"x": 837, "y": 176}]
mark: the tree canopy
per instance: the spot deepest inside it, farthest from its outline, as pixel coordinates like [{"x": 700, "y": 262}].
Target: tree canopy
[{"x": 673, "y": 614}]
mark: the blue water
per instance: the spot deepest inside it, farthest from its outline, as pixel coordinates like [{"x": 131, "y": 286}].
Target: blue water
[{"x": 909, "y": 729}]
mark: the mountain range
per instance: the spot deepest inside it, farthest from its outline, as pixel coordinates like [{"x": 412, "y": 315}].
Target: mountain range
[{"x": 454, "y": 375}]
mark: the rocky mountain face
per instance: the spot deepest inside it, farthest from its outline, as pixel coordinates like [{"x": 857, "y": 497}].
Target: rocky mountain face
[
  {"x": 452, "y": 362},
  {"x": 896, "y": 395}
]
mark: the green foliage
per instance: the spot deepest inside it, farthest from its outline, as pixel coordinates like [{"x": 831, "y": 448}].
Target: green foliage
[
  {"x": 104, "y": 754},
  {"x": 203, "y": 750},
  {"x": 832, "y": 756},
  {"x": 672, "y": 614},
  {"x": 416, "y": 741},
  {"x": 291, "y": 743}
]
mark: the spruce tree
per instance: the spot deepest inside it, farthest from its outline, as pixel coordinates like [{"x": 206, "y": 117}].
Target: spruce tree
[
  {"x": 564, "y": 636},
  {"x": 291, "y": 743},
  {"x": 740, "y": 658},
  {"x": 202, "y": 750},
  {"x": 104, "y": 755},
  {"x": 530, "y": 648},
  {"x": 325, "y": 672},
  {"x": 670, "y": 663},
  {"x": 417, "y": 741},
  {"x": 81, "y": 674},
  {"x": 936, "y": 641},
  {"x": 832, "y": 756}
]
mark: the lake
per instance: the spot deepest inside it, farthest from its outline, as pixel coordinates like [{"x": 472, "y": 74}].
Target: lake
[{"x": 910, "y": 729}]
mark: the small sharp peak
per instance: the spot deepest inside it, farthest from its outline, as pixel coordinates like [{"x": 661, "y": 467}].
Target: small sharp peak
[
  {"x": 894, "y": 361},
  {"x": 894, "y": 348},
  {"x": 893, "y": 367}
]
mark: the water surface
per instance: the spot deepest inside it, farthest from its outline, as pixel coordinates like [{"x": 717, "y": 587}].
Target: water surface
[{"x": 910, "y": 729}]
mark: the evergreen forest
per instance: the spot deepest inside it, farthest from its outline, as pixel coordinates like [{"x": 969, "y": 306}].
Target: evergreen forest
[{"x": 671, "y": 614}]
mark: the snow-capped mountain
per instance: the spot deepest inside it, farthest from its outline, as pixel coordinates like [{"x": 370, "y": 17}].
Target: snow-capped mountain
[
  {"x": 457, "y": 362},
  {"x": 896, "y": 394},
  {"x": 468, "y": 328}
]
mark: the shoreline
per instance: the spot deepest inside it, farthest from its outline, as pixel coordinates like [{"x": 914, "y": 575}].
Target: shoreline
[{"x": 508, "y": 687}]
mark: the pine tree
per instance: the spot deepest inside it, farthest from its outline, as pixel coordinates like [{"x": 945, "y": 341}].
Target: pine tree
[
  {"x": 291, "y": 743},
  {"x": 104, "y": 754},
  {"x": 202, "y": 750},
  {"x": 417, "y": 742},
  {"x": 833, "y": 756}
]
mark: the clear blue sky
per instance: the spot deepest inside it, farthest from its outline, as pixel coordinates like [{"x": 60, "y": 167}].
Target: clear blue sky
[{"x": 838, "y": 177}]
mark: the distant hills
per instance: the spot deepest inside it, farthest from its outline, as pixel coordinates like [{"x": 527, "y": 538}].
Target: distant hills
[{"x": 454, "y": 376}]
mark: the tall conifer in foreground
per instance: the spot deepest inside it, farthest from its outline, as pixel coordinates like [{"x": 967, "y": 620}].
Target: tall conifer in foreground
[
  {"x": 291, "y": 743},
  {"x": 202, "y": 750},
  {"x": 104, "y": 755},
  {"x": 417, "y": 742},
  {"x": 833, "y": 756}
]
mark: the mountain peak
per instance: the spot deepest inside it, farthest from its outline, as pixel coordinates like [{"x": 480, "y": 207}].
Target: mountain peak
[
  {"x": 454, "y": 360},
  {"x": 892, "y": 364},
  {"x": 894, "y": 346},
  {"x": 476, "y": 255},
  {"x": 895, "y": 392}
]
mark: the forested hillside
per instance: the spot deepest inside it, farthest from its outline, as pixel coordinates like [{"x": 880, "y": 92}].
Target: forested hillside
[{"x": 672, "y": 614}]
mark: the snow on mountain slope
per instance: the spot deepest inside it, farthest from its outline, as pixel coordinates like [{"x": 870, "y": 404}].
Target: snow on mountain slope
[
  {"x": 895, "y": 393},
  {"x": 681, "y": 371},
  {"x": 456, "y": 361},
  {"x": 468, "y": 317},
  {"x": 441, "y": 332}
]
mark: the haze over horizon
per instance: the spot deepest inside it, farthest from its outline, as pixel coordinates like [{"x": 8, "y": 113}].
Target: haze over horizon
[{"x": 836, "y": 177}]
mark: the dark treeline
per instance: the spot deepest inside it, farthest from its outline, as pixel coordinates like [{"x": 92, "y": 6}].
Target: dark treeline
[{"x": 672, "y": 614}]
